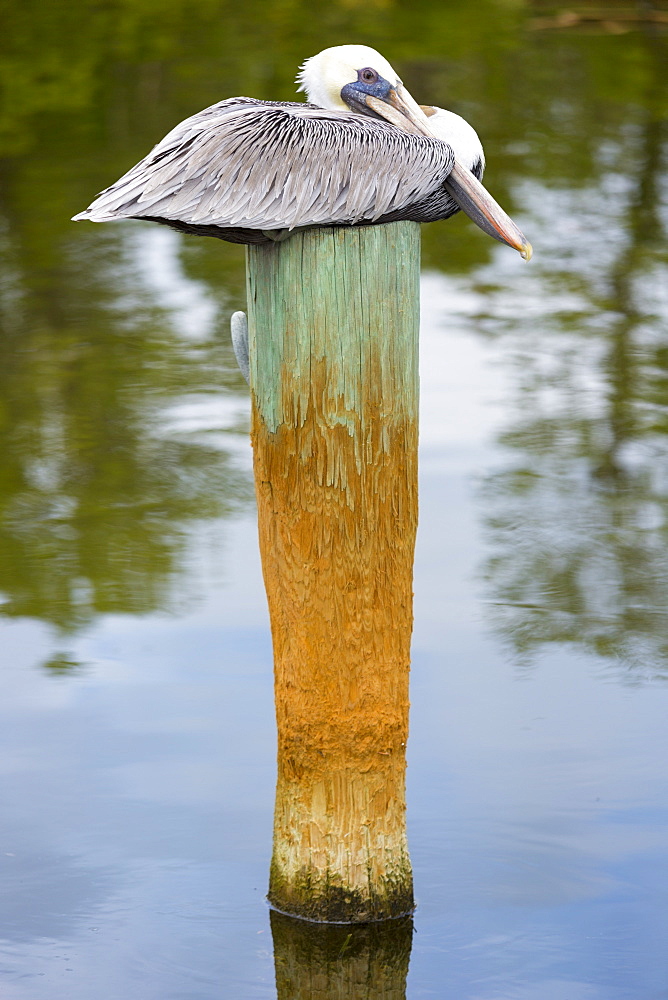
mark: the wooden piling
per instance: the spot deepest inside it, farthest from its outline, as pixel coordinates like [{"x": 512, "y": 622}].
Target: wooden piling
[{"x": 333, "y": 328}]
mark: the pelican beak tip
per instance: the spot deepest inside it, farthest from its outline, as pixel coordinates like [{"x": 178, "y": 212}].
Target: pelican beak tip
[{"x": 526, "y": 251}]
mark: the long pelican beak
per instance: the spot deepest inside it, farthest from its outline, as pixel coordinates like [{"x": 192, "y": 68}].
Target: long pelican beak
[
  {"x": 399, "y": 108},
  {"x": 476, "y": 201},
  {"x": 473, "y": 199}
]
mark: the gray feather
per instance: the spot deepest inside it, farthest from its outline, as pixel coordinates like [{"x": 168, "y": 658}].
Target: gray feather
[{"x": 250, "y": 165}]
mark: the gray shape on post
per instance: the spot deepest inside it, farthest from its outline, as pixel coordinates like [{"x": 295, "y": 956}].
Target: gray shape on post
[{"x": 239, "y": 329}]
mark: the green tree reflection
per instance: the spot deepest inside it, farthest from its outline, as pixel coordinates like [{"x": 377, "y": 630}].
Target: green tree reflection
[
  {"x": 95, "y": 494},
  {"x": 578, "y": 520}
]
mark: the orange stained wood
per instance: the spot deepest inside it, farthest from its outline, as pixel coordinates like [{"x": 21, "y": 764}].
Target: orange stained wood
[{"x": 334, "y": 430}]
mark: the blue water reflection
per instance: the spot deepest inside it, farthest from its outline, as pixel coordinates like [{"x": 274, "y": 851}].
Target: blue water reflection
[{"x": 136, "y": 717}]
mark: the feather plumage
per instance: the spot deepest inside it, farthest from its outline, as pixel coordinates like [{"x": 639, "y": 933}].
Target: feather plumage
[{"x": 243, "y": 167}]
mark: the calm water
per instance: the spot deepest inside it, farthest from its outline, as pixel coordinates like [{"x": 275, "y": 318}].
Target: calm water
[{"x": 136, "y": 718}]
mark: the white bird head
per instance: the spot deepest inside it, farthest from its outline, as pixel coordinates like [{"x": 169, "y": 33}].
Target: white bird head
[
  {"x": 357, "y": 78},
  {"x": 324, "y": 76}
]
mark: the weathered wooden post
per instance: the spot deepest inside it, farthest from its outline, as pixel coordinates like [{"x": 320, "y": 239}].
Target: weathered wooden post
[{"x": 333, "y": 327}]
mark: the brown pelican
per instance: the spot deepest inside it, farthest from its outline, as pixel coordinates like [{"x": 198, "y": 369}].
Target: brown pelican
[{"x": 360, "y": 151}]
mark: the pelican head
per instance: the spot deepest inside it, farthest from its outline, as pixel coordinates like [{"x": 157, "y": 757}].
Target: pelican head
[{"x": 357, "y": 78}]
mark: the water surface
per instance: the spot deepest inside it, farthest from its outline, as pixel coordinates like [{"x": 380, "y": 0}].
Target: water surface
[{"x": 136, "y": 719}]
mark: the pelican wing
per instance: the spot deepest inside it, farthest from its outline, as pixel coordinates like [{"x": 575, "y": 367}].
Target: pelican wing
[{"x": 250, "y": 164}]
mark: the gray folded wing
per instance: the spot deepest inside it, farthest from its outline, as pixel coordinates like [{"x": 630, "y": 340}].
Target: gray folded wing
[{"x": 249, "y": 164}]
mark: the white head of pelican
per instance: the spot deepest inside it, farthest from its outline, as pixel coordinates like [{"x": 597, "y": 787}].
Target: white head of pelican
[{"x": 360, "y": 151}]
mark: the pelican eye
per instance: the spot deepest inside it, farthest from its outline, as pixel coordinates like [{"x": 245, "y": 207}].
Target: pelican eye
[{"x": 368, "y": 75}]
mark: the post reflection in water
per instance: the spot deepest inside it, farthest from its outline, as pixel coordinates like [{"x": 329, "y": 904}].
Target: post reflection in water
[{"x": 330, "y": 961}]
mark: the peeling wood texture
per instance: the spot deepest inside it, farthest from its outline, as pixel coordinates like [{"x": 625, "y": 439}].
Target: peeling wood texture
[{"x": 333, "y": 325}]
